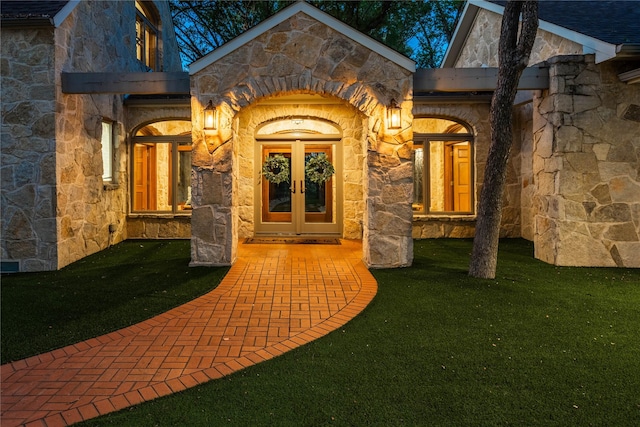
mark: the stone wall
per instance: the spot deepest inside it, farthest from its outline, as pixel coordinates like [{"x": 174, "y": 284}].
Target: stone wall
[
  {"x": 158, "y": 227},
  {"x": 522, "y": 188},
  {"x": 481, "y": 46},
  {"x": 55, "y": 207},
  {"x": 302, "y": 55},
  {"x": 586, "y": 166},
  {"x": 28, "y": 189},
  {"x": 87, "y": 209}
]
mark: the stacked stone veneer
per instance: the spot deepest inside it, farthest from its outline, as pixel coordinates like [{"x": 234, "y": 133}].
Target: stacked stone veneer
[
  {"x": 302, "y": 55},
  {"x": 28, "y": 153},
  {"x": 586, "y": 164},
  {"x": 481, "y": 46},
  {"x": 55, "y": 207}
]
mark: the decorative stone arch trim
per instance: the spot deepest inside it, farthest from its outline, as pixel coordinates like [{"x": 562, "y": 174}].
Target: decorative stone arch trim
[
  {"x": 142, "y": 115},
  {"x": 468, "y": 116},
  {"x": 355, "y": 94}
]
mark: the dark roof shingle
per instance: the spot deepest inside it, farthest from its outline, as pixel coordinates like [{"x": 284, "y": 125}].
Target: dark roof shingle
[
  {"x": 615, "y": 22},
  {"x": 16, "y": 9}
]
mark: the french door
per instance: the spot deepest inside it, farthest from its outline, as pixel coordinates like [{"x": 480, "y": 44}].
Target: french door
[{"x": 298, "y": 193}]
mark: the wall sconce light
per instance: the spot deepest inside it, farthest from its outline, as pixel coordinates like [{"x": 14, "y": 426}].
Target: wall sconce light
[
  {"x": 210, "y": 117},
  {"x": 394, "y": 115}
]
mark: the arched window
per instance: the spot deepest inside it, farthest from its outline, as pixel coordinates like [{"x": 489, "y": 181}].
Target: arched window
[
  {"x": 161, "y": 168},
  {"x": 147, "y": 24},
  {"x": 443, "y": 167}
]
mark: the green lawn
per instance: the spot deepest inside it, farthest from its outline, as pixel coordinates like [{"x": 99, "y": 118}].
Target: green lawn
[
  {"x": 540, "y": 345},
  {"x": 112, "y": 289}
]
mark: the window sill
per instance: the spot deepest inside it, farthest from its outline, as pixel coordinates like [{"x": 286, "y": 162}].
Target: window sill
[
  {"x": 167, "y": 215},
  {"x": 444, "y": 218}
]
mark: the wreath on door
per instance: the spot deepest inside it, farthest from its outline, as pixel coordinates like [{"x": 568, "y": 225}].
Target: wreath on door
[
  {"x": 319, "y": 169},
  {"x": 275, "y": 169}
]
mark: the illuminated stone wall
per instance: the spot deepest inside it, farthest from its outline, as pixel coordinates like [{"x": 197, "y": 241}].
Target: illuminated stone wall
[
  {"x": 304, "y": 56},
  {"x": 481, "y": 45},
  {"x": 586, "y": 163}
]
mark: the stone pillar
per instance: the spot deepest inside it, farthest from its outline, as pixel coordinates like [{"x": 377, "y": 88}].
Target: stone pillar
[
  {"x": 585, "y": 165},
  {"x": 214, "y": 234},
  {"x": 387, "y": 239}
]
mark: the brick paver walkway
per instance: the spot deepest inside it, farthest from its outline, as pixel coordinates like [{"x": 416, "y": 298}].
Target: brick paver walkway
[{"x": 275, "y": 298}]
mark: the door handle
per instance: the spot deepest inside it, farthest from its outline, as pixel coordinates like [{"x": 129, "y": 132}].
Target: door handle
[
  {"x": 293, "y": 190},
  {"x": 301, "y": 186}
]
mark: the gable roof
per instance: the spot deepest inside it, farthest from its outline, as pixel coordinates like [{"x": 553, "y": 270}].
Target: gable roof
[
  {"x": 314, "y": 13},
  {"x": 606, "y": 28},
  {"x": 36, "y": 12}
]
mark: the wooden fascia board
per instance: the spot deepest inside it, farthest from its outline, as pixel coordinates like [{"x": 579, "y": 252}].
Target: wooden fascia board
[
  {"x": 318, "y": 15},
  {"x": 474, "y": 79},
  {"x": 127, "y": 83}
]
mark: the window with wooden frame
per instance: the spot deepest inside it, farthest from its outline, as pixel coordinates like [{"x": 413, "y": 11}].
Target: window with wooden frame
[
  {"x": 147, "y": 24},
  {"x": 443, "y": 168},
  {"x": 161, "y": 169}
]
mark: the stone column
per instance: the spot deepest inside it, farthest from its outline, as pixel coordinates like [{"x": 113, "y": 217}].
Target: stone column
[
  {"x": 214, "y": 235},
  {"x": 387, "y": 239},
  {"x": 585, "y": 164}
]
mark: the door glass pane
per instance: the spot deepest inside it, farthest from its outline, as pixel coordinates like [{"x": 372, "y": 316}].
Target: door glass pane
[
  {"x": 152, "y": 177},
  {"x": 279, "y": 197},
  {"x": 418, "y": 174},
  {"x": 437, "y": 176},
  {"x": 318, "y": 185},
  {"x": 450, "y": 176},
  {"x": 276, "y": 185},
  {"x": 163, "y": 177},
  {"x": 184, "y": 178}
]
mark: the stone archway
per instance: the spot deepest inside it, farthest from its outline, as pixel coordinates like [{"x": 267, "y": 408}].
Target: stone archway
[
  {"x": 345, "y": 130},
  {"x": 302, "y": 55}
]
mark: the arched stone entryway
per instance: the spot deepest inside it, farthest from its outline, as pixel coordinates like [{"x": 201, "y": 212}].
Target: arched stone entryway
[
  {"x": 292, "y": 121},
  {"x": 302, "y": 51}
]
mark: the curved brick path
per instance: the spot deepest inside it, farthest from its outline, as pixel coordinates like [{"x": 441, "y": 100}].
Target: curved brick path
[{"x": 275, "y": 298}]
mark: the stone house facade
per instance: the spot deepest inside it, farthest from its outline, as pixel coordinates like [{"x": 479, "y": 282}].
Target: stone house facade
[
  {"x": 301, "y": 89},
  {"x": 56, "y": 206},
  {"x": 577, "y": 148}
]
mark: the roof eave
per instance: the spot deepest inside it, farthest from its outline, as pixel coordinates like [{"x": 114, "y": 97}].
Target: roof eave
[
  {"x": 467, "y": 17},
  {"x": 314, "y": 13},
  {"x": 43, "y": 20},
  {"x": 628, "y": 51},
  {"x": 59, "y": 18},
  {"x": 30, "y": 22}
]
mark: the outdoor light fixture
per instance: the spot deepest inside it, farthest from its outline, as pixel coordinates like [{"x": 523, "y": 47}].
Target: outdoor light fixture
[
  {"x": 210, "y": 117},
  {"x": 394, "y": 117}
]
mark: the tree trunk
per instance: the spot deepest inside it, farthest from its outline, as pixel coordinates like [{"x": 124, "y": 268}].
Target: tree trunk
[{"x": 513, "y": 56}]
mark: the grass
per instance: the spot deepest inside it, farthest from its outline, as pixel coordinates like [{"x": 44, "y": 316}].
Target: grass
[
  {"x": 540, "y": 345},
  {"x": 112, "y": 289}
]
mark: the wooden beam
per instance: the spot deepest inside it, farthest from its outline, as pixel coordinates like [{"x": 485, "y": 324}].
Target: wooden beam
[
  {"x": 474, "y": 79},
  {"x": 151, "y": 83}
]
